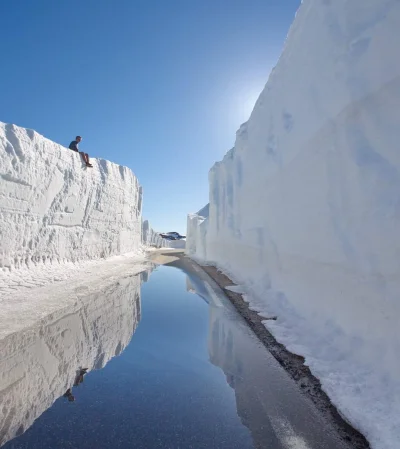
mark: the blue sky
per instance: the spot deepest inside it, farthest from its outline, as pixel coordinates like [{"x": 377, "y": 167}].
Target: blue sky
[{"x": 160, "y": 86}]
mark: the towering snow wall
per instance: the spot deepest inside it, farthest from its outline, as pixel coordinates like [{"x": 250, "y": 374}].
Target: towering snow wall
[
  {"x": 305, "y": 209},
  {"x": 53, "y": 207}
]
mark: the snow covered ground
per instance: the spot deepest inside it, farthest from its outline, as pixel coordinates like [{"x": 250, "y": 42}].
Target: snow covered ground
[{"x": 305, "y": 209}]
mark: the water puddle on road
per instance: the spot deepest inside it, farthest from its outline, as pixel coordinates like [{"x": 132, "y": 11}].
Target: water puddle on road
[{"x": 167, "y": 364}]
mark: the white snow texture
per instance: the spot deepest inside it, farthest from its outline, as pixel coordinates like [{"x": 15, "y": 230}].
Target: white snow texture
[
  {"x": 53, "y": 207},
  {"x": 177, "y": 244},
  {"x": 305, "y": 209}
]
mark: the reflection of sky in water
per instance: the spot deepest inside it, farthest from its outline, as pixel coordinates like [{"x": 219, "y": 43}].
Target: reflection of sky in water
[{"x": 161, "y": 391}]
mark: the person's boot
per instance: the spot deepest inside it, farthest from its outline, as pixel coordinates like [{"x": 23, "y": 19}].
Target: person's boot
[{"x": 88, "y": 164}]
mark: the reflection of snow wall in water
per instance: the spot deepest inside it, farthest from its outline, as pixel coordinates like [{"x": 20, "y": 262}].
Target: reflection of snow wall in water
[
  {"x": 274, "y": 410},
  {"x": 228, "y": 347},
  {"x": 38, "y": 365}
]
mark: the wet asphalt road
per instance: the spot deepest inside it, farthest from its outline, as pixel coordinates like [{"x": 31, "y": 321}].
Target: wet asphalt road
[{"x": 170, "y": 365}]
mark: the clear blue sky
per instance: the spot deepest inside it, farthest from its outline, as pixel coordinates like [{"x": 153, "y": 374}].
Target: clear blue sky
[{"x": 160, "y": 86}]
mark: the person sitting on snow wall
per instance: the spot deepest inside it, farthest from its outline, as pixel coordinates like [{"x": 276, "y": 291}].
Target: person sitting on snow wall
[{"x": 74, "y": 147}]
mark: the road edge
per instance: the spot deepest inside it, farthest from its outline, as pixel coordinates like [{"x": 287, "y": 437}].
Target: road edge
[{"x": 293, "y": 364}]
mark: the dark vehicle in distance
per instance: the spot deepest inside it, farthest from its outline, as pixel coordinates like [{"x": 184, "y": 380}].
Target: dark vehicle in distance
[{"x": 172, "y": 236}]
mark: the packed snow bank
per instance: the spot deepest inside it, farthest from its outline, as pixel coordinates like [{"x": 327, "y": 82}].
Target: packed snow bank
[
  {"x": 38, "y": 365},
  {"x": 53, "y": 208},
  {"x": 177, "y": 244},
  {"x": 305, "y": 209}
]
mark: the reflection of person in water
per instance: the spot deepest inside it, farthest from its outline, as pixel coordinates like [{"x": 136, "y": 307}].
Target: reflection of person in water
[
  {"x": 68, "y": 394},
  {"x": 79, "y": 376},
  {"x": 78, "y": 380}
]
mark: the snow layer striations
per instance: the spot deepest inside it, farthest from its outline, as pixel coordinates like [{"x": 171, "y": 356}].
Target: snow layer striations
[
  {"x": 53, "y": 208},
  {"x": 305, "y": 209}
]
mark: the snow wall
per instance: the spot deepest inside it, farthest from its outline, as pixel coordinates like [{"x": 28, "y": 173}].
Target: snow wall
[
  {"x": 53, "y": 207},
  {"x": 151, "y": 237},
  {"x": 196, "y": 233},
  {"x": 305, "y": 209},
  {"x": 41, "y": 363},
  {"x": 177, "y": 244}
]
